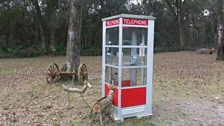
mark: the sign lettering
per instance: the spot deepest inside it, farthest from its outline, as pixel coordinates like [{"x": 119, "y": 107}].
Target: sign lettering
[
  {"x": 127, "y": 21},
  {"x": 132, "y": 21},
  {"x": 112, "y": 22}
]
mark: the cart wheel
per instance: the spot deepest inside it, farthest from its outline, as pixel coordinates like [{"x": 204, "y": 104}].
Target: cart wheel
[
  {"x": 52, "y": 73},
  {"x": 64, "y": 68},
  {"x": 82, "y": 72},
  {"x": 75, "y": 74}
]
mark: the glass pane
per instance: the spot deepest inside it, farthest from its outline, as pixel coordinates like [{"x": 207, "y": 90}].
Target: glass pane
[
  {"x": 111, "y": 75},
  {"x": 134, "y": 56},
  {"x": 134, "y": 36},
  {"x": 112, "y": 56},
  {"x": 134, "y": 77},
  {"x": 112, "y": 36}
]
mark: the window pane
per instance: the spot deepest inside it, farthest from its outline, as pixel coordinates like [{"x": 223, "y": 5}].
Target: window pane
[
  {"x": 112, "y": 56},
  {"x": 112, "y": 36},
  {"x": 134, "y": 56},
  {"x": 133, "y": 76},
  {"x": 134, "y": 36},
  {"x": 111, "y": 74}
]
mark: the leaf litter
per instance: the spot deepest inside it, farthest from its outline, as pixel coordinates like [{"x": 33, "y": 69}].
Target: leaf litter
[{"x": 188, "y": 89}]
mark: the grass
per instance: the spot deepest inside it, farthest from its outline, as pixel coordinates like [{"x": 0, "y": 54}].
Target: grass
[{"x": 187, "y": 90}]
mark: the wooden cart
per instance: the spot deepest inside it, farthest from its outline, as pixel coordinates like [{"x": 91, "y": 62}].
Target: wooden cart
[{"x": 54, "y": 73}]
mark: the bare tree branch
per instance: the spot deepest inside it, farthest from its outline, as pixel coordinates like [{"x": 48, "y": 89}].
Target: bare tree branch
[{"x": 171, "y": 8}]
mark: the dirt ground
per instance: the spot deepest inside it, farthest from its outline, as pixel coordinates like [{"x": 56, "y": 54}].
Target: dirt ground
[{"x": 188, "y": 89}]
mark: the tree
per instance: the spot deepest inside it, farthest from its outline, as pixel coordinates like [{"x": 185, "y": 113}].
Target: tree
[
  {"x": 220, "y": 33},
  {"x": 52, "y": 6},
  {"x": 41, "y": 23},
  {"x": 176, "y": 9},
  {"x": 74, "y": 34}
]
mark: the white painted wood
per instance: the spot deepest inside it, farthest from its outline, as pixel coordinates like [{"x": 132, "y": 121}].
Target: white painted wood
[
  {"x": 150, "y": 66},
  {"x": 103, "y": 58},
  {"x": 132, "y": 87},
  {"x": 136, "y": 46},
  {"x": 134, "y": 66},
  {"x": 113, "y": 26},
  {"x": 129, "y": 16},
  {"x": 113, "y": 66},
  {"x": 135, "y": 26},
  {"x": 120, "y": 66},
  {"x": 112, "y": 46}
]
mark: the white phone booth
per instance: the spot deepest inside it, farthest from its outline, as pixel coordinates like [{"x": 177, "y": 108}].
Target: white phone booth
[{"x": 127, "y": 62}]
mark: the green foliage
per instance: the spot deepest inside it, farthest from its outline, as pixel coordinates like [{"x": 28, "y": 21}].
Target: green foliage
[
  {"x": 61, "y": 47},
  {"x": 85, "y": 47},
  {"x": 20, "y": 30},
  {"x": 19, "y": 51}
]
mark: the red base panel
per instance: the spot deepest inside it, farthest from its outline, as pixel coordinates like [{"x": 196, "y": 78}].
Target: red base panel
[{"x": 129, "y": 97}]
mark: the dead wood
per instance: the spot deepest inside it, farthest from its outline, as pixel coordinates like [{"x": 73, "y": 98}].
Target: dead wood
[
  {"x": 103, "y": 106},
  {"x": 83, "y": 90},
  {"x": 86, "y": 85},
  {"x": 205, "y": 51},
  {"x": 103, "y": 103}
]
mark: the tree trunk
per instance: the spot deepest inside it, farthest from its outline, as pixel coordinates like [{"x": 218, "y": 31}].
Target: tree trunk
[
  {"x": 52, "y": 6},
  {"x": 179, "y": 24},
  {"x": 220, "y": 33},
  {"x": 43, "y": 41},
  {"x": 178, "y": 17},
  {"x": 52, "y": 40},
  {"x": 40, "y": 23},
  {"x": 11, "y": 34},
  {"x": 74, "y": 34}
]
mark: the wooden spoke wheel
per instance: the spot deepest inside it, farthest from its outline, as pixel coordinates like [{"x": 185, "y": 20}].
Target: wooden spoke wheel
[
  {"x": 52, "y": 73},
  {"x": 75, "y": 74}
]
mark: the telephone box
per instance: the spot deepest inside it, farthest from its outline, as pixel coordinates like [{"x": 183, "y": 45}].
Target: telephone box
[{"x": 127, "y": 63}]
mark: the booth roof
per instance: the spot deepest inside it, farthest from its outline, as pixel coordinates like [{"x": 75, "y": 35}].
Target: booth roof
[{"x": 129, "y": 16}]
